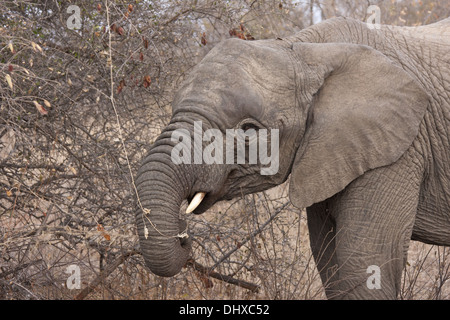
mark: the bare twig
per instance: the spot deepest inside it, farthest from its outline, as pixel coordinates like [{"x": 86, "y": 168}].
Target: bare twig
[
  {"x": 216, "y": 275},
  {"x": 104, "y": 274},
  {"x": 251, "y": 236}
]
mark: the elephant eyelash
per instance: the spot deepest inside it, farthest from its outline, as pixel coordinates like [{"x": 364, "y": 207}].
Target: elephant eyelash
[{"x": 248, "y": 126}]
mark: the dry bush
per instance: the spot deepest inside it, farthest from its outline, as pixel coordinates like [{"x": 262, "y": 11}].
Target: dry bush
[{"x": 79, "y": 108}]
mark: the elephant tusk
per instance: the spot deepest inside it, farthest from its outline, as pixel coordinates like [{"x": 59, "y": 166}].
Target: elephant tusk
[{"x": 195, "y": 201}]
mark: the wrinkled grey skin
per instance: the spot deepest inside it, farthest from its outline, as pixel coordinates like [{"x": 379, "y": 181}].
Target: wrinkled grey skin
[{"x": 364, "y": 118}]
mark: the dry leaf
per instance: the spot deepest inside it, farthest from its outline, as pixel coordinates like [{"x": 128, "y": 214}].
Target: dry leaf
[
  {"x": 69, "y": 81},
  {"x": 241, "y": 33},
  {"x": 9, "y": 81},
  {"x": 120, "y": 87},
  {"x": 40, "y": 108},
  {"x": 203, "y": 40},
  {"x": 101, "y": 229},
  {"x": 10, "y": 46},
  {"x": 36, "y": 47},
  {"x": 206, "y": 281},
  {"x": 10, "y": 68},
  {"x": 9, "y": 193},
  {"x": 47, "y": 104},
  {"x": 147, "y": 81},
  {"x": 130, "y": 7},
  {"x": 74, "y": 171}
]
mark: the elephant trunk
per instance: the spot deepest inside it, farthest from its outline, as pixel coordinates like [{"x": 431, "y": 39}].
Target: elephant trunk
[{"x": 163, "y": 238}]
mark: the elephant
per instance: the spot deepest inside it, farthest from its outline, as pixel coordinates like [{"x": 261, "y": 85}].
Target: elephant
[{"x": 362, "y": 114}]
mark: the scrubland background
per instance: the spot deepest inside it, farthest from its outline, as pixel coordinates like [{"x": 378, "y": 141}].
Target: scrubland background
[{"x": 79, "y": 108}]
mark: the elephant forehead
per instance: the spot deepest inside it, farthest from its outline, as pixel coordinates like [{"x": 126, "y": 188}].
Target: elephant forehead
[
  {"x": 240, "y": 75},
  {"x": 265, "y": 63},
  {"x": 228, "y": 95}
]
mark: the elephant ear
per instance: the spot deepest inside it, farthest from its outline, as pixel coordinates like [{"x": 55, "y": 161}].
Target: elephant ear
[{"x": 365, "y": 113}]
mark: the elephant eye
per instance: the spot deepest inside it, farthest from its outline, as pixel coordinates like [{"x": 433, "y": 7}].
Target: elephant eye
[{"x": 249, "y": 125}]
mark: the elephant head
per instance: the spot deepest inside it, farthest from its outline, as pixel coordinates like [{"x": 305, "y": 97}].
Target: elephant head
[{"x": 339, "y": 111}]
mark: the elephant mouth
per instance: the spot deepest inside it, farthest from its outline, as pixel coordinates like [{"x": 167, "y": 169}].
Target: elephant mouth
[
  {"x": 203, "y": 196},
  {"x": 195, "y": 201},
  {"x": 201, "y": 201}
]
